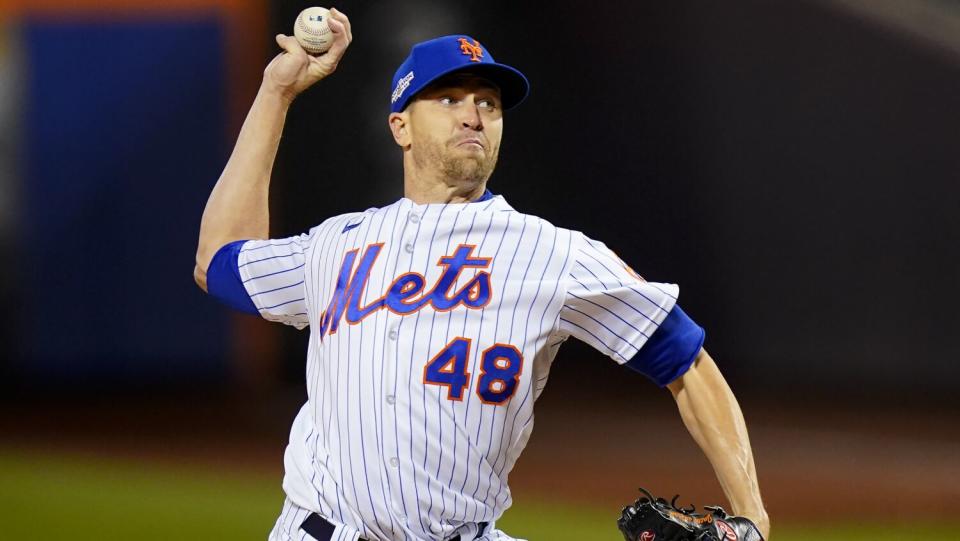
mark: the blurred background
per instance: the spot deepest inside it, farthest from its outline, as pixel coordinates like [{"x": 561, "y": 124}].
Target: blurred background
[{"x": 792, "y": 165}]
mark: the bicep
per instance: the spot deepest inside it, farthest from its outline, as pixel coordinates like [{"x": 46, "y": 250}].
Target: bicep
[
  {"x": 262, "y": 277},
  {"x": 637, "y": 323},
  {"x": 608, "y": 306}
]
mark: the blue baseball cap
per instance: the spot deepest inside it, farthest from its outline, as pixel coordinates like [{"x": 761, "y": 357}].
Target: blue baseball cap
[{"x": 430, "y": 60}]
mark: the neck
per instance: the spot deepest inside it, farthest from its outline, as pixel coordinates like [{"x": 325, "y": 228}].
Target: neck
[{"x": 423, "y": 189}]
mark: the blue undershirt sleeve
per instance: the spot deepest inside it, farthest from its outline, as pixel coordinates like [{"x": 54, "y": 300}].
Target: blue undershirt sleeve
[
  {"x": 224, "y": 282},
  {"x": 671, "y": 350}
]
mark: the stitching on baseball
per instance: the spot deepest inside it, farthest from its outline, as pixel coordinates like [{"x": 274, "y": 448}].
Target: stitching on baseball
[{"x": 311, "y": 31}]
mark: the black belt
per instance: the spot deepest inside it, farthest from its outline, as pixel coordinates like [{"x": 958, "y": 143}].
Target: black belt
[{"x": 321, "y": 530}]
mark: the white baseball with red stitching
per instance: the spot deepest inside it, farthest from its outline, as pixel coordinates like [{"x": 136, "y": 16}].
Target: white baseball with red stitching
[{"x": 312, "y": 31}]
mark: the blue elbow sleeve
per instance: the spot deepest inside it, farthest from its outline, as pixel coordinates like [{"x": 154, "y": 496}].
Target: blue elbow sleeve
[
  {"x": 671, "y": 350},
  {"x": 224, "y": 282}
]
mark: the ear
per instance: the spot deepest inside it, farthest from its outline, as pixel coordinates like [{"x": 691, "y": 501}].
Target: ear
[{"x": 400, "y": 128}]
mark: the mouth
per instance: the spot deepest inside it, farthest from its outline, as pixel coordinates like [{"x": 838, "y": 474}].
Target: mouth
[{"x": 471, "y": 143}]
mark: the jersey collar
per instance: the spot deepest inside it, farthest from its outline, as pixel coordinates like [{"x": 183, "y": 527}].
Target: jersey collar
[
  {"x": 487, "y": 195},
  {"x": 486, "y": 202}
]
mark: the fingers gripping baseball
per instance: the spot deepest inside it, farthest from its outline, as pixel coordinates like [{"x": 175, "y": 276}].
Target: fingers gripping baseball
[{"x": 293, "y": 70}]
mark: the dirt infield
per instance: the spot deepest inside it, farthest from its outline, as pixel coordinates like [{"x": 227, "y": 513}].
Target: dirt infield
[{"x": 826, "y": 462}]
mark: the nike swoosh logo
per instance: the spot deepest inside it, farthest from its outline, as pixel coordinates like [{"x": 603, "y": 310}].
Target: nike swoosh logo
[{"x": 348, "y": 227}]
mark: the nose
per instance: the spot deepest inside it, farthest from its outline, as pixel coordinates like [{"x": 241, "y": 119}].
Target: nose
[{"x": 470, "y": 115}]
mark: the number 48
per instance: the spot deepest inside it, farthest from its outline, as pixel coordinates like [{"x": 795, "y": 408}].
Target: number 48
[{"x": 500, "y": 369}]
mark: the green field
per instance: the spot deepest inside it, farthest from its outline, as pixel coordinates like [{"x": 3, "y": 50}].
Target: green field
[{"x": 45, "y": 497}]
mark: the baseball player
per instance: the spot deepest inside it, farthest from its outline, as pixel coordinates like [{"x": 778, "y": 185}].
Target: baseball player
[{"x": 434, "y": 320}]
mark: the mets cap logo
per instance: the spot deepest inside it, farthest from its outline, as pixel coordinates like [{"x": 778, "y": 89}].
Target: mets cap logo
[{"x": 473, "y": 50}]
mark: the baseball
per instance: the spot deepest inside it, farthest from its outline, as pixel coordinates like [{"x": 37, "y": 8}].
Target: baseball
[{"x": 312, "y": 31}]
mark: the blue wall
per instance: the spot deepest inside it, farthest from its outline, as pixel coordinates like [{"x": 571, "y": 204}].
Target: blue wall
[{"x": 125, "y": 136}]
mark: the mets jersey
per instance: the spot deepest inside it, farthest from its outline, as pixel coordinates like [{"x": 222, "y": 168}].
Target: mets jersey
[{"x": 432, "y": 331}]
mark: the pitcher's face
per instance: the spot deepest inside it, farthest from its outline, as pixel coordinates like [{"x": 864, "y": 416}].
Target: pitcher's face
[{"x": 456, "y": 124}]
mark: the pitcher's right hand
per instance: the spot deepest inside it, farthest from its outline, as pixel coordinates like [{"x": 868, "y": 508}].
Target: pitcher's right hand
[{"x": 294, "y": 70}]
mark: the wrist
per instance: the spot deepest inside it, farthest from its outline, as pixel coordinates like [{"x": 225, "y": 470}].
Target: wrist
[
  {"x": 755, "y": 515},
  {"x": 277, "y": 95},
  {"x": 760, "y": 519}
]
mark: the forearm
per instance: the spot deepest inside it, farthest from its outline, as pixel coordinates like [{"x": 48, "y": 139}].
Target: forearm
[
  {"x": 238, "y": 205},
  {"x": 712, "y": 415}
]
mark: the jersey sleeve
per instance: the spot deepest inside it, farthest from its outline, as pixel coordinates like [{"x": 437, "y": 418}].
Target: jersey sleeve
[
  {"x": 615, "y": 310},
  {"x": 264, "y": 277}
]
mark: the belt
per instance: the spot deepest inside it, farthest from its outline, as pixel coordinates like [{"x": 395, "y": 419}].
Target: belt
[{"x": 321, "y": 530}]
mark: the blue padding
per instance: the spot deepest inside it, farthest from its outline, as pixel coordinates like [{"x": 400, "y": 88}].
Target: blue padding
[
  {"x": 224, "y": 282},
  {"x": 671, "y": 350}
]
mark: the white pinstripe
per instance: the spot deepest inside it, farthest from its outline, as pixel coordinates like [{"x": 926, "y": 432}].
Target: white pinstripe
[{"x": 378, "y": 451}]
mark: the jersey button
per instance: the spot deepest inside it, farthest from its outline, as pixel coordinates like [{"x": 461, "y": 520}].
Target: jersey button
[
  {"x": 408, "y": 248},
  {"x": 393, "y": 334},
  {"x": 394, "y": 462},
  {"x": 391, "y": 399},
  {"x": 414, "y": 218}
]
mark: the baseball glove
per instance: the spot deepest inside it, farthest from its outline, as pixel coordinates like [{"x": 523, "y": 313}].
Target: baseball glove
[{"x": 655, "y": 519}]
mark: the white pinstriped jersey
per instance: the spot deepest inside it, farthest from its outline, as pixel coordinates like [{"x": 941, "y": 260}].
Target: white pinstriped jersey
[{"x": 432, "y": 332}]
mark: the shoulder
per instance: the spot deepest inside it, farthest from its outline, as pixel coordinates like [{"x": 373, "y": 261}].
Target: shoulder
[
  {"x": 580, "y": 247},
  {"x": 499, "y": 206},
  {"x": 544, "y": 229},
  {"x": 335, "y": 224},
  {"x": 564, "y": 239}
]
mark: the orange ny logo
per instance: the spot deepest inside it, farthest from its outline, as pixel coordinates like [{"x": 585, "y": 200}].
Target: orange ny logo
[{"x": 472, "y": 49}]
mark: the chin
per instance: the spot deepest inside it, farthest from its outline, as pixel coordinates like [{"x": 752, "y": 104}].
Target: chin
[{"x": 468, "y": 169}]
